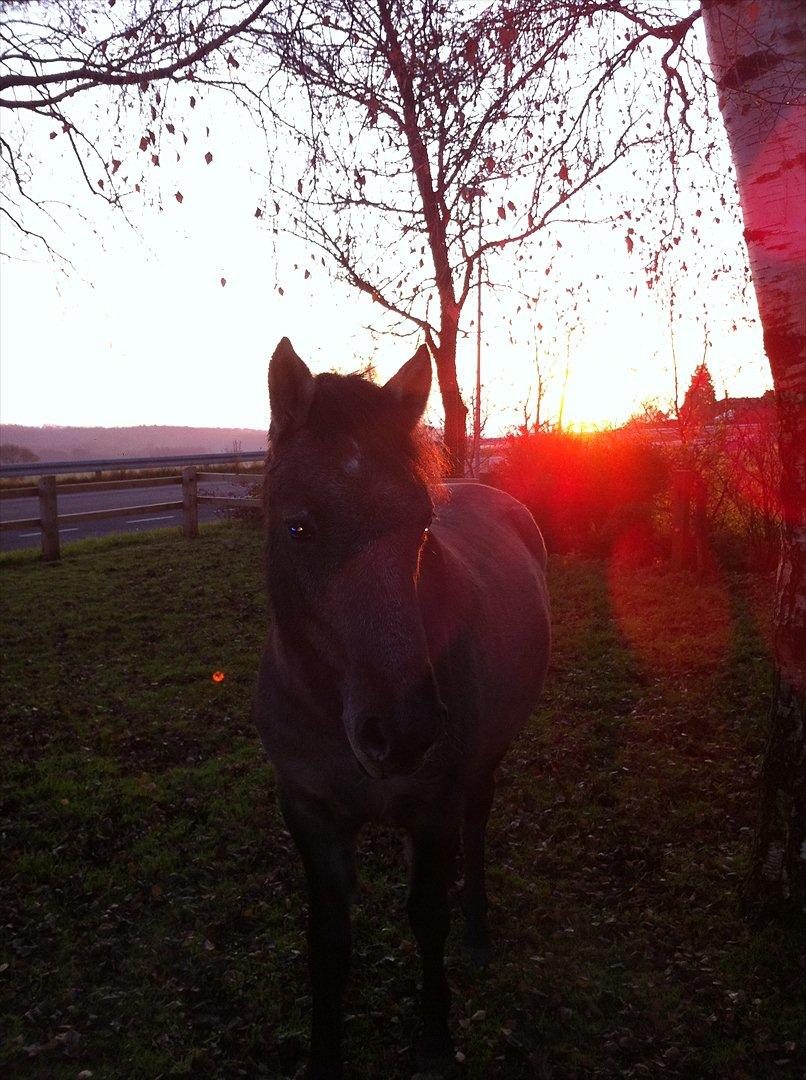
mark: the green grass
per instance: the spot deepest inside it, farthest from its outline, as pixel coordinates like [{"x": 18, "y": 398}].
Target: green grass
[{"x": 152, "y": 905}]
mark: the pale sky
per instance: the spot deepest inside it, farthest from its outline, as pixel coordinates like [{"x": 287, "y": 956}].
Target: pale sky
[{"x": 141, "y": 330}]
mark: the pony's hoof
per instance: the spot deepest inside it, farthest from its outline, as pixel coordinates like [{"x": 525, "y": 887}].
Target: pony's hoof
[{"x": 435, "y": 1057}]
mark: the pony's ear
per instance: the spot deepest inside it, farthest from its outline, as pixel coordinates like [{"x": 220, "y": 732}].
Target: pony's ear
[
  {"x": 290, "y": 388},
  {"x": 410, "y": 387}
]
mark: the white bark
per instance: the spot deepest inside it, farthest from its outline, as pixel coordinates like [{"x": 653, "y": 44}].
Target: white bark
[{"x": 758, "y": 52}]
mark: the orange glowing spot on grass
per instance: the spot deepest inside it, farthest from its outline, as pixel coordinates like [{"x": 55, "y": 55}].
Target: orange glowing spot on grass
[{"x": 218, "y": 676}]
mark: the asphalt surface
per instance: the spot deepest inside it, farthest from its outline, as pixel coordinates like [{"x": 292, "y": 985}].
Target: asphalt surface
[{"x": 132, "y": 521}]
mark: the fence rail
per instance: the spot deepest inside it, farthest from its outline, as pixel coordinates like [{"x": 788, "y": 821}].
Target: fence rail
[
  {"x": 46, "y": 489},
  {"x": 31, "y": 490},
  {"x": 73, "y": 468}
]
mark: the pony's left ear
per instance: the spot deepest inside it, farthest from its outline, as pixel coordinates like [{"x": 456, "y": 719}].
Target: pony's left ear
[
  {"x": 290, "y": 388},
  {"x": 410, "y": 387}
]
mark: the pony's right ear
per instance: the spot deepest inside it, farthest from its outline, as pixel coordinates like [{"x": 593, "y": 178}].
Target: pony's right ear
[
  {"x": 290, "y": 388},
  {"x": 409, "y": 388}
]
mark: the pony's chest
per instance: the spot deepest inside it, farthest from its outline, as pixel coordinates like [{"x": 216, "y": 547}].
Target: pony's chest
[{"x": 326, "y": 771}]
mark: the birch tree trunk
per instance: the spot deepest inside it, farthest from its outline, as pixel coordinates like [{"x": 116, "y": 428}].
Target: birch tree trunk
[{"x": 758, "y": 52}]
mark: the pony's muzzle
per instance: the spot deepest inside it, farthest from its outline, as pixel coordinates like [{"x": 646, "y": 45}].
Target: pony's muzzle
[{"x": 387, "y": 745}]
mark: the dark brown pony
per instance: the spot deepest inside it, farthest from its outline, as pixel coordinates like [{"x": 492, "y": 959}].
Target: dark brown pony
[{"x": 407, "y": 645}]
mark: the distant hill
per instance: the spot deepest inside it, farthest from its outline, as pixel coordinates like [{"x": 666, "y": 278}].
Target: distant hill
[{"x": 55, "y": 443}]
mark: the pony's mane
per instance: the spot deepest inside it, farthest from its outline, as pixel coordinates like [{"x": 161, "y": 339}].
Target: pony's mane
[{"x": 352, "y": 407}]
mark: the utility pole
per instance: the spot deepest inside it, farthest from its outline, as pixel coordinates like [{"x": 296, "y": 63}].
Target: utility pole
[
  {"x": 477, "y": 410},
  {"x": 568, "y": 334}
]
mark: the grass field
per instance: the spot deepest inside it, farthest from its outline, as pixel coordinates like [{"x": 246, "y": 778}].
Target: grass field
[{"x": 151, "y": 901}]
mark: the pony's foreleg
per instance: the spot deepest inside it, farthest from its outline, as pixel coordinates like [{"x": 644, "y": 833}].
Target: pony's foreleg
[
  {"x": 327, "y": 852},
  {"x": 432, "y": 862},
  {"x": 478, "y": 801}
]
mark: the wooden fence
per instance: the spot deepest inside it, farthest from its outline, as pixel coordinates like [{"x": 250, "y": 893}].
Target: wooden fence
[
  {"x": 50, "y": 520},
  {"x": 689, "y": 535}
]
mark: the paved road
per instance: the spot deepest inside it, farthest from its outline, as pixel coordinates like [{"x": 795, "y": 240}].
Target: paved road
[{"x": 82, "y": 502}]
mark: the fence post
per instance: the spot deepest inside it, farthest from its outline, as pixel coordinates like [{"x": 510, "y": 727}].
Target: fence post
[
  {"x": 681, "y": 507},
  {"x": 49, "y": 518},
  {"x": 701, "y": 522},
  {"x": 190, "y": 505}
]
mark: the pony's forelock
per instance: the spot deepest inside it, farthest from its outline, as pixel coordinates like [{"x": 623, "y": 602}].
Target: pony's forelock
[{"x": 351, "y": 407}]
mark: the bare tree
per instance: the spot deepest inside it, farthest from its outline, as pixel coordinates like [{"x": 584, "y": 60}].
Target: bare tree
[
  {"x": 759, "y": 57},
  {"x": 421, "y": 116},
  {"x": 566, "y": 373},
  {"x": 410, "y": 119},
  {"x": 541, "y": 385},
  {"x": 747, "y": 475},
  {"x": 58, "y": 57}
]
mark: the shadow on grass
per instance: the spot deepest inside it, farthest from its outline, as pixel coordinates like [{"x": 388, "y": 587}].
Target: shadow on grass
[{"x": 152, "y": 900}]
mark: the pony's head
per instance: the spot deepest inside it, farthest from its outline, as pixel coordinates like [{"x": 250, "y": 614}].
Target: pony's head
[{"x": 348, "y": 493}]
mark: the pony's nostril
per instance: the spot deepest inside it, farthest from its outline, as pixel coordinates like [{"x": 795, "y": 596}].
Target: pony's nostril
[{"x": 374, "y": 739}]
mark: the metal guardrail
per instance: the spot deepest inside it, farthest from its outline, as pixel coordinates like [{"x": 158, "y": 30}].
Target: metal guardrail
[
  {"x": 49, "y": 519},
  {"x": 68, "y": 468}
]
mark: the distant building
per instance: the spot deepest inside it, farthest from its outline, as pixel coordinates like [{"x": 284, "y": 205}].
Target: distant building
[{"x": 739, "y": 416}]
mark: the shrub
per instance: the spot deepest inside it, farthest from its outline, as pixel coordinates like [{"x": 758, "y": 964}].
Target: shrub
[
  {"x": 12, "y": 454},
  {"x": 588, "y": 493},
  {"x": 736, "y": 457}
]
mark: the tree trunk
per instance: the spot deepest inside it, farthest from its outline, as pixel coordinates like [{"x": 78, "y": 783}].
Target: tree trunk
[
  {"x": 434, "y": 213},
  {"x": 758, "y": 52},
  {"x": 455, "y": 408},
  {"x": 455, "y": 427}
]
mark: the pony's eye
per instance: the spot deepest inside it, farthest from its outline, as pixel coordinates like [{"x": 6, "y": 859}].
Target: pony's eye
[{"x": 298, "y": 530}]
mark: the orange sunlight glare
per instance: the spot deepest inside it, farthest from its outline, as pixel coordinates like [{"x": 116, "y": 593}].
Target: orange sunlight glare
[{"x": 597, "y": 401}]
